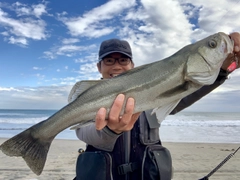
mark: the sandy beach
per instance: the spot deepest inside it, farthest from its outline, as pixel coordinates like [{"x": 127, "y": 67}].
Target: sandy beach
[{"x": 191, "y": 161}]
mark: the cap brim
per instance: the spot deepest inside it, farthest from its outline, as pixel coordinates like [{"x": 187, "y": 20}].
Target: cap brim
[{"x": 102, "y": 56}]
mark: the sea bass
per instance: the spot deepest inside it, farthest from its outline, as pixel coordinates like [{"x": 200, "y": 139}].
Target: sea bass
[{"x": 159, "y": 86}]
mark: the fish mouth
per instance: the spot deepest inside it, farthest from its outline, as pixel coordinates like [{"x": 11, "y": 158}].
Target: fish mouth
[{"x": 229, "y": 43}]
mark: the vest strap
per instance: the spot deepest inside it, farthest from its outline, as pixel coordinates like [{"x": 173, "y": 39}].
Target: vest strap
[{"x": 128, "y": 167}]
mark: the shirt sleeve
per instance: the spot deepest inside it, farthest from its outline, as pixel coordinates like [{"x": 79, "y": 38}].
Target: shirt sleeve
[{"x": 104, "y": 139}]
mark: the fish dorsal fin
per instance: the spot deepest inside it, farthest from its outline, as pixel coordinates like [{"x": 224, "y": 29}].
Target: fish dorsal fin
[
  {"x": 163, "y": 111},
  {"x": 79, "y": 87}
]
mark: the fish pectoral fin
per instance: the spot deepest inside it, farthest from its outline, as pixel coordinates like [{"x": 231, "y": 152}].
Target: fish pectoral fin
[
  {"x": 79, "y": 87},
  {"x": 163, "y": 111},
  {"x": 33, "y": 151}
]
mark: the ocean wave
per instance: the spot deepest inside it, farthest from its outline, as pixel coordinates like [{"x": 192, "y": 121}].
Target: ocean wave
[
  {"x": 12, "y": 129},
  {"x": 203, "y": 123},
  {"x": 33, "y": 120}
]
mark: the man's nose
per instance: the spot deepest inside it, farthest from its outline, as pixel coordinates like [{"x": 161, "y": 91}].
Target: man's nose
[{"x": 117, "y": 65}]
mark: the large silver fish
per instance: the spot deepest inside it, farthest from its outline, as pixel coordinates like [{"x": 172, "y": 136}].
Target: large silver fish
[{"x": 160, "y": 85}]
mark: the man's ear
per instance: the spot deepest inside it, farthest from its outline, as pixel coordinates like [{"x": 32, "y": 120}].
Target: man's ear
[
  {"x": 99, "y": 67},
  {"x": 132, "y": 65}
]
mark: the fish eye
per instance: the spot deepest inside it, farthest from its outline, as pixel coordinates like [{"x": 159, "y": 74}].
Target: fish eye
[{"x": 212, "y": 43}]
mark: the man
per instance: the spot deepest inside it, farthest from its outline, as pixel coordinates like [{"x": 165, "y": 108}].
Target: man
[{"x": 130, "y": 144}]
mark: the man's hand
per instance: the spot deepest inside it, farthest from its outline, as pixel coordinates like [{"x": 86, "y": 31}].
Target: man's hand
[
  {"x": 116, "y": 122},
  {"x": 236, "y": 51}
]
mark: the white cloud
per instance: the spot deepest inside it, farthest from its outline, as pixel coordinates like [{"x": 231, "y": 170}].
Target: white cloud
[
  {"x": 10, "y": 89},
  {"x": 36, "y": 10},
  {"x": 37, "y": 68},
  {"x": 211, "y": 18},
  {"x": 24, "y": 27},
  {"x": 93, "y": 23},
  {"x": 68, "y": 50},
  {"x": 21, "y": 9},
  {"x": 5, "y": 33},
  {"x": 39, "y": 10},
  {"x": 49, "y": 55},
  {"x": 92, "y": 57},
  {"x": 18, "y": 40},
  {"x": 70, "y": 41},
  {"x": 35, "y": 97},
  {"x": 145, "y": 26},
  {"x": 158, "y": 33},
  {"x": 88, "y": 68},
  {"x": 40, "y": 76},
  {"x": 20, "y": 30}
]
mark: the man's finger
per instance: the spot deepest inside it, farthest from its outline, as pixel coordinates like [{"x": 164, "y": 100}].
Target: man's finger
[
  {"x": 116, "y": 107},
  {"x": 128, "y": 111},
  {"x": 100, "y": 121},
  {"x": 236, "y": 49},
  {"x": 134, "y": 119}
]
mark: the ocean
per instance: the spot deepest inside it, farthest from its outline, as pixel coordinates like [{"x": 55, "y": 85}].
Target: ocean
[{"x": 207, "y": 127}]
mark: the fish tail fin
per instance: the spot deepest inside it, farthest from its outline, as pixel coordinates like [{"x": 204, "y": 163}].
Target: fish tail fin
[{"x": 33, "y": 150}]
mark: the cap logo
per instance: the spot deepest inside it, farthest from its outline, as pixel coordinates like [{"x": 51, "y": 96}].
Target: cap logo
[{"x": 115, "y": 46}]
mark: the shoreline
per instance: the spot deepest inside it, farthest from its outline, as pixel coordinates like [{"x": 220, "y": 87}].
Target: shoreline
[{"x": 190, "y": 161}]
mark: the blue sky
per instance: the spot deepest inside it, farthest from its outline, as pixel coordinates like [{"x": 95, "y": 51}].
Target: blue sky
[{"x": 47, "y": 46}]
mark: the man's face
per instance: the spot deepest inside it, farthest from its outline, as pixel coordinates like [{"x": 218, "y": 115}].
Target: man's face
[{"x": 109, "y": 71}]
